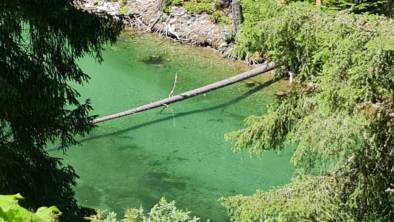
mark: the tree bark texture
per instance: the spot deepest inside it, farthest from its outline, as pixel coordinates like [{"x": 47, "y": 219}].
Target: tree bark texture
[
  {"x": 159, "y": 5},
  {"x": 191, "y": 93},
  {"x": 237, "y": 15}
]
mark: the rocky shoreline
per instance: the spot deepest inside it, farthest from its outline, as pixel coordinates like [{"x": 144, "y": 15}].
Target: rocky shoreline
[{"x": 197, "y": 29}]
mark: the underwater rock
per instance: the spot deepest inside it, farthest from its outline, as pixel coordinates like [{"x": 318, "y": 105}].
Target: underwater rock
[
  {"x": 154, "y": 59},
  {"x": 250, "y": 83},
  {"x": 280, "y": 93}
]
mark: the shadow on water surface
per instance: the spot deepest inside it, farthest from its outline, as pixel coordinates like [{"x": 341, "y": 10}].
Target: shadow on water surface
[{"x": 177, "y": 115}]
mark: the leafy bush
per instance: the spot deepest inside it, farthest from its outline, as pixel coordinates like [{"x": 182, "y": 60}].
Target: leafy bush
[
  {"x": 173, "y": 2},
  {"x": 218, "y": 18},
  {"x": 161, "y": 212},
  {"x": 383, "y": 7},
  {"x": 166, "y": 10},
  {"x": 124, "y": 10},
  {"x": 177, "y": 2},
  {"x": 11, "y": 211},
  {"x": 204, "y": 1},
  {"x": 194, "y": 7}
]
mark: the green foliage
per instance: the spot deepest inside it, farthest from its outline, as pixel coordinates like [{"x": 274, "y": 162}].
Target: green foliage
[
  {"x": 11, "y": 211},
  {"x": 177, "y": 2},
  {"x": 384, "y": 7},
  {"x": 162, "y": 211},
  {"x": 40, "y": 43},
  {"x": 341, "y": 124},
  {"x": 173, "y": 2},
  {"x": 204, "y": 1},
  {"x": 124, "y": 10},
  {"x": 195, "y": 7},
  {"x": 166, "y": 10},
  {"x": 300, "y": 200},
  {"x": 123, "y": 7},
  {"x": 218, "y": 18}
]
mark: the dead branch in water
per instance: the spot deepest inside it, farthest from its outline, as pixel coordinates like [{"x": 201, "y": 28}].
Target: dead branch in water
[{"x": 172, "y": 91}]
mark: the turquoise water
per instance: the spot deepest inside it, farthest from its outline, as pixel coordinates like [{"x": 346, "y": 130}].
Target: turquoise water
[{"x": 180, "y": 153}]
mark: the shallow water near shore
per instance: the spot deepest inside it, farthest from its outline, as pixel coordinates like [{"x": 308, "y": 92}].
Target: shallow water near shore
[{"x": 180, "y": 153}]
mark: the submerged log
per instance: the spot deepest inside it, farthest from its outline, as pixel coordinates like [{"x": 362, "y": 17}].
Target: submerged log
[{"x": 191, "y": 93}]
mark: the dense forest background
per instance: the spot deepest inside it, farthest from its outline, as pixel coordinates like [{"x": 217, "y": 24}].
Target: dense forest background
[{"x": 339, "y": 110}]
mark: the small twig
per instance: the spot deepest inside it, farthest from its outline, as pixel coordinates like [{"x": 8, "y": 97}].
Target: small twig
[
  {"x": 172, "y": 91},
  {"x": 173, "y": 88},
  {"x": 165, "y": 106},
  {"x": 347, "y": 10}
]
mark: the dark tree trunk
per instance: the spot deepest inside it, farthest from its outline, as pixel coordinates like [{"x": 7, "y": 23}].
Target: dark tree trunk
[{"x": 237, "y": 15}]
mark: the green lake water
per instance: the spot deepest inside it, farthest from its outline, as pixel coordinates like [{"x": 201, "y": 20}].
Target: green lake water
[{"x": 179, "y": 154}]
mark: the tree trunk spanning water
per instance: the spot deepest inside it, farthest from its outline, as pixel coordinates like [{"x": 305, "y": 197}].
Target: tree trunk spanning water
[{"x": 191, "y": 93}]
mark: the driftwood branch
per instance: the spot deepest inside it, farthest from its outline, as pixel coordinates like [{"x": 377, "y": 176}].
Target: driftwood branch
[
  {"x": 191, "y": 93},
  {"x": 155, "y": 22}
]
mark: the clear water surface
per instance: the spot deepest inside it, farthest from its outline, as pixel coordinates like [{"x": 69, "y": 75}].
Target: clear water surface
[{"x": 180, "y": 153}]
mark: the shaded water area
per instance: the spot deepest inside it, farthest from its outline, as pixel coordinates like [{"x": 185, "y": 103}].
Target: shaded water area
[{"x": 180, "y": 153}]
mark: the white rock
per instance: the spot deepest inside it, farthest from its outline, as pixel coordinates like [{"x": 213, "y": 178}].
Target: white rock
[
  {"x": 101, "y": 9},
  {"x": 172, "y": 20},
  {"x": 223, "y": 45}
]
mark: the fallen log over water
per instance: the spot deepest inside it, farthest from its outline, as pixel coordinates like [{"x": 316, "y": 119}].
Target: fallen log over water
[{"x": 191, "y": 93}]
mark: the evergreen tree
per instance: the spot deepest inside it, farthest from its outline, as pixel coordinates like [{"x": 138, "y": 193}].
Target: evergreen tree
[
  {"x": 383, "y": 7},
  {"x": 40, "y": 41},
  {"x": 339, "y": 112}
]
